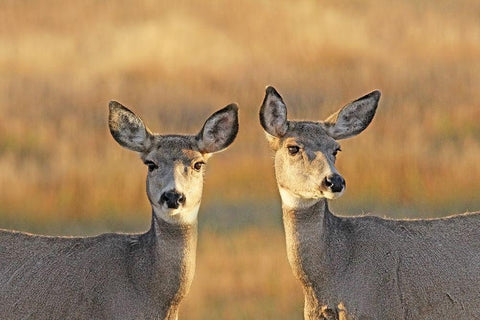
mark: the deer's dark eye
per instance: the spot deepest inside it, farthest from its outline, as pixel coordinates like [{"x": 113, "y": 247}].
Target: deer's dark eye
[
  {"x": 293, "y": 150},
  {"x": 198, "y": 165},
  {"x": 336, "y": 152},
  {"x": 151, "y": 165}
]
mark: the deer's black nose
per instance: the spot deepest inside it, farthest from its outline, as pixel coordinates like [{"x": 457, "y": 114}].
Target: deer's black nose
[
  {"x": 335, "y": 182},
  {"x": 172, "y": 198}
]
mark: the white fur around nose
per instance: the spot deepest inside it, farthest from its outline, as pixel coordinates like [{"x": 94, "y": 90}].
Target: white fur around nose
[
  {"x": 302, "y": 201},
  {"x": 184, "y": 214}
]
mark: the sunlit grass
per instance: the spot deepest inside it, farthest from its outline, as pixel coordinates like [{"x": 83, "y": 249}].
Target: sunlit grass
[{"x": 253, "y": 271}]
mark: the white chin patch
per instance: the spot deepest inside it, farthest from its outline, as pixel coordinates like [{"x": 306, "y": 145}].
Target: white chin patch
[
  {"x": 181, "y": 215},
  {"x": 333, "y": 195},
  {"x": 166, "y": 211},
  {"x": 295, "y": 201},
  {"x": 304, "y": 201},
  {"x": 174, "y": 212}
]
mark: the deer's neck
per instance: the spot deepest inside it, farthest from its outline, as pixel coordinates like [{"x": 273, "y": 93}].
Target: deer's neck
[
  {"x": 168, "y": 263},
  {"x": 308, "y": 234}
]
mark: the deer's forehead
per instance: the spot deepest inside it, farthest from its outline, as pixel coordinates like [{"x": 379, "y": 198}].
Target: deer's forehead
[
  {"x": 310, "y": 135},
  {"x": 174, "y": 147}
]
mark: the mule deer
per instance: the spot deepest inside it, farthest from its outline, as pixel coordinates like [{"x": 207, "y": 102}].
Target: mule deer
[
  {"x": 121, "y": 276},
  {"x": 364, "y": 267}
]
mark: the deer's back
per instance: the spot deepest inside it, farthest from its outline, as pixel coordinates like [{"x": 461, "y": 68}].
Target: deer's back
[
  {"x": 62, "y": 277},
  {"x": 408, "y": 269}
]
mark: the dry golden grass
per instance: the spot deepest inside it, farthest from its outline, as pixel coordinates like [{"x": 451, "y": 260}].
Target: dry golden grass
[
  {"x": 174, "y": 64},
  {"x": 252, "y": 280}
]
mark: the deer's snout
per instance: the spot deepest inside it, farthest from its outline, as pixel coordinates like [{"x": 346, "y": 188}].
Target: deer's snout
[
  {"x": 173, "y": 199},
  {"x": 334, "y": 182}
]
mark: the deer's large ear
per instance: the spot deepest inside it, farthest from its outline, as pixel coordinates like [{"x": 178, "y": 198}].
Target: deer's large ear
[
  {"x": 353, "y": 118},
  {"x": 219, "y": 130},
  {"x": 127, "y": 128},
  {"x": 273, "y": 113}
]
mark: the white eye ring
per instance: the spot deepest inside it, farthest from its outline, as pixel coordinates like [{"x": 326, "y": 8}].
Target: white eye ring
[
  {"x": 293, "y": 150},
  {"x": 197, "y": 166}
]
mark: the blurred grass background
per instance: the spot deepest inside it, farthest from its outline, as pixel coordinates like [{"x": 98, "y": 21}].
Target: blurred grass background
[{"x": 175, "y": 63}]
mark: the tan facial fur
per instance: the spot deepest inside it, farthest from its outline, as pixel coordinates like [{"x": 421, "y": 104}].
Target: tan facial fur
[
  {"x": 302, "y": 175},
  {"x": 175, "y": 162},
  {"x": 174, "y": 159},
  {"x": 305, "y": 151}
]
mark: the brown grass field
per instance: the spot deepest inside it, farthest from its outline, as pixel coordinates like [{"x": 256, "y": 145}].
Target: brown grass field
[{"x": 174, "y": 63}]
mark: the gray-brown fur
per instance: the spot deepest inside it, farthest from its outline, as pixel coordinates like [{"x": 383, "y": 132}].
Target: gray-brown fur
[
  {"x": 369, "y": 267},
  {"x": 119, "y": 276}
]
